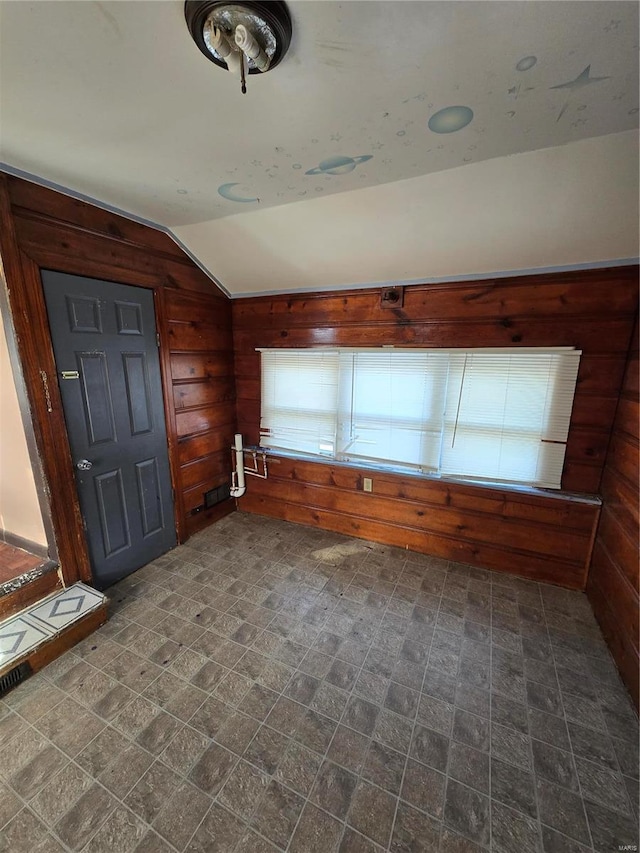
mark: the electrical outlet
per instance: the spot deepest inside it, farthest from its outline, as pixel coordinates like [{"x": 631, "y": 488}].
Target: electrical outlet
[{"x": 367, "y": 484}]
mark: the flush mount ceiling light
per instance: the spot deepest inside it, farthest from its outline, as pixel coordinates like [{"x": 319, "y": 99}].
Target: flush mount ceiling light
[{"x": 244, "y": 38}]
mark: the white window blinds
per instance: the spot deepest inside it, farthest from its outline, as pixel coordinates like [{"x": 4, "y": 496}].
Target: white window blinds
[
  {"x": 391, "y": 406},
  {"x": 507, "y": 415},
  {"x": 299, "y": 400},
  {"x": 499, "y": 415}
]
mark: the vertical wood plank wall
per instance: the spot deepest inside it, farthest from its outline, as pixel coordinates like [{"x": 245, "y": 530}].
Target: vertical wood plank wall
[
  {"x": 43, "y": 229},
  {"x": 613, "y": 578},
  {"x": 591, "y": 310}
]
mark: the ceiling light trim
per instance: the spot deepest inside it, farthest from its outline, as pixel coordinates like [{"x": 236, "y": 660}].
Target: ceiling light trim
[{"x": 242, "y": 36}]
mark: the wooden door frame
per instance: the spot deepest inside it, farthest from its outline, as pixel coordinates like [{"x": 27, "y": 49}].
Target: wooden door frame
[{"x": 21, "y": 272}]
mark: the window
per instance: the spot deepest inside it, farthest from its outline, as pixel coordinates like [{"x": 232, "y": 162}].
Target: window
[{"x": 494, "y": 414}]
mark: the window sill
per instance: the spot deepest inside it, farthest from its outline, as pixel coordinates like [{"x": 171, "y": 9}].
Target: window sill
[{"x": 399, "y": 471}]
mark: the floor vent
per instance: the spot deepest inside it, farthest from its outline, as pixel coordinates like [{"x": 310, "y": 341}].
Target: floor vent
[
  {"x": 14, "y": 677},
  {"x": 216, "y": 496}
]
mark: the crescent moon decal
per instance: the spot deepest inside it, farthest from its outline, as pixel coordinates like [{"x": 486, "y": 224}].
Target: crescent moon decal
[{"x": 226, "y": 191}]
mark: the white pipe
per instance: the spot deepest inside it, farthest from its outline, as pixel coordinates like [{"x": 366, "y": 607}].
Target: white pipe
[
  {"x": 239, "y": 487},
  {"x": 225, "y": 47},
  {"x": 250, "y": 47}
]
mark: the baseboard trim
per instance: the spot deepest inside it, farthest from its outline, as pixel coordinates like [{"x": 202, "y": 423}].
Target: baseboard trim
[{"x": 16, "y": 541}]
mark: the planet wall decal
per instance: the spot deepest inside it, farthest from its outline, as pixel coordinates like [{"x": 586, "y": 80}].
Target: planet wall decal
[
  {"x": 450, "y": 119},
  {"x": 526, "y": 63},
  {"x": 226, "y": 191},
  {"x": 338, "y": 165}
]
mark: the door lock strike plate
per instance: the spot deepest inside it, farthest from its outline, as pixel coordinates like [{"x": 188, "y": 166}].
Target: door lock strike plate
[{"x": 70, "y": 374}]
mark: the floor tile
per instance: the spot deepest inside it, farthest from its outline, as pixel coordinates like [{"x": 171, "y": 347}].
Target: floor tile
[
  {"x": 267, "y": 749},
  {"x": 467, "y": 811},
  {"x": 219, "y": 831},
  {"x": 610, "y": 830},
  {"x": 67, "y": 606},
  {"x": 277, "y": 813},
  {"x": 384, "y": 767},
  {"x": 563, "y": 811},
  {"x": 429, "y": 747},
  {"x": 80, "y": 823},
  {"x": 512, "y": 831},
  {"x": 414, "y": 831},
  {"x": 18, "y": 636},
  {"x": 334, "y": 789},
  {"x": 513, "y": 787},
  {"x": 181, "y": 815},
  {"x": 232, "y": 683},
  {"x": 553, "y": 764},
  {"x": 424, "y": 788},
  {"x": 471, "y": 730},
  {"x": 297, "y": 769},
  {"x": 121, "y": 832},
  {"x": 317, "y": 832},
  {"x": 372, "y": 812},
  {"x": 469, "y": 766}
]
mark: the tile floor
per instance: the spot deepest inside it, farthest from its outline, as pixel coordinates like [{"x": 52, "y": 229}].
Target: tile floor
[
  {"x": 43, "y": 620},
  {"x": 268, "y": 687}
]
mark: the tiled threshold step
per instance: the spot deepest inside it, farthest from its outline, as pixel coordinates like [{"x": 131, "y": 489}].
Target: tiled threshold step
[{"x": 47, "y": 628}]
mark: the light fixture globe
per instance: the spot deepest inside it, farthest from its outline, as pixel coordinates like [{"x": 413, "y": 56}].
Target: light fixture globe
[{"x": 268, "y": 22}]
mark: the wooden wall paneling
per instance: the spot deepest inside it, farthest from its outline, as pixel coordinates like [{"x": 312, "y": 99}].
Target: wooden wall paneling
[
  {"x": 582, "y": 293},
  {"x": 45, "y": 229},
  {"x": 52, "y": 244},
  {"x": 195, "y": 446},
  {"x": 31, "y": 199},
  {"x": 170, "y": 414},
  {"x": 614, "y": 581},
  {"x": 535, "y": 332},
  {"x": 202, "y": 365},
  {"x": 554, "y": 542},
  {"x": 524, "y": 505},
  {"x": 203, "y": 392},
  {"x": 591, "y": 310}
]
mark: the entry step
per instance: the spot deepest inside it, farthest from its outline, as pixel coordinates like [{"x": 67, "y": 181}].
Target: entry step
[{"x": 51, "y": 620}]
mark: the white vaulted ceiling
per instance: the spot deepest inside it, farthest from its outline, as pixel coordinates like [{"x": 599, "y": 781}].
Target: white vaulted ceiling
[{"x": 380, "y": 148}]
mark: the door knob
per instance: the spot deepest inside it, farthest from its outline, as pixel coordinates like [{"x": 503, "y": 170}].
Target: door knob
[{"x": 84, "y": 465}]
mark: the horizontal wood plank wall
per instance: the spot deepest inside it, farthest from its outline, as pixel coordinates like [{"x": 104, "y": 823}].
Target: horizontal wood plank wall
[
  {"x": 592, "y": 310},
  {"x": 44, "y": 229},
  {"x": 200, "y": 348},
  {"x": 613, "y": 584}
]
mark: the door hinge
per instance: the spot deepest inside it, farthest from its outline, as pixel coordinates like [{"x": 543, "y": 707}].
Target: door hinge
[{"x": 157, "y": 339}]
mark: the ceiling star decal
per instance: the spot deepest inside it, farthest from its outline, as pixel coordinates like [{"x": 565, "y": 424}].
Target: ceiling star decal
[{"x": 583, "y": 79}]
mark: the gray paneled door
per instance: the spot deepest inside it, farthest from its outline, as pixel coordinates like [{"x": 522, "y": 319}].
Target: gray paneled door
[{"x": 105, "y": 345}]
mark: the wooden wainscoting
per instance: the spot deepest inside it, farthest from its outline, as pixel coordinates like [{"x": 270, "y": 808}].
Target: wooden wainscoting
[
  {"x": 546, "y": 539},
  {"x": 613, "y": 585}
]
